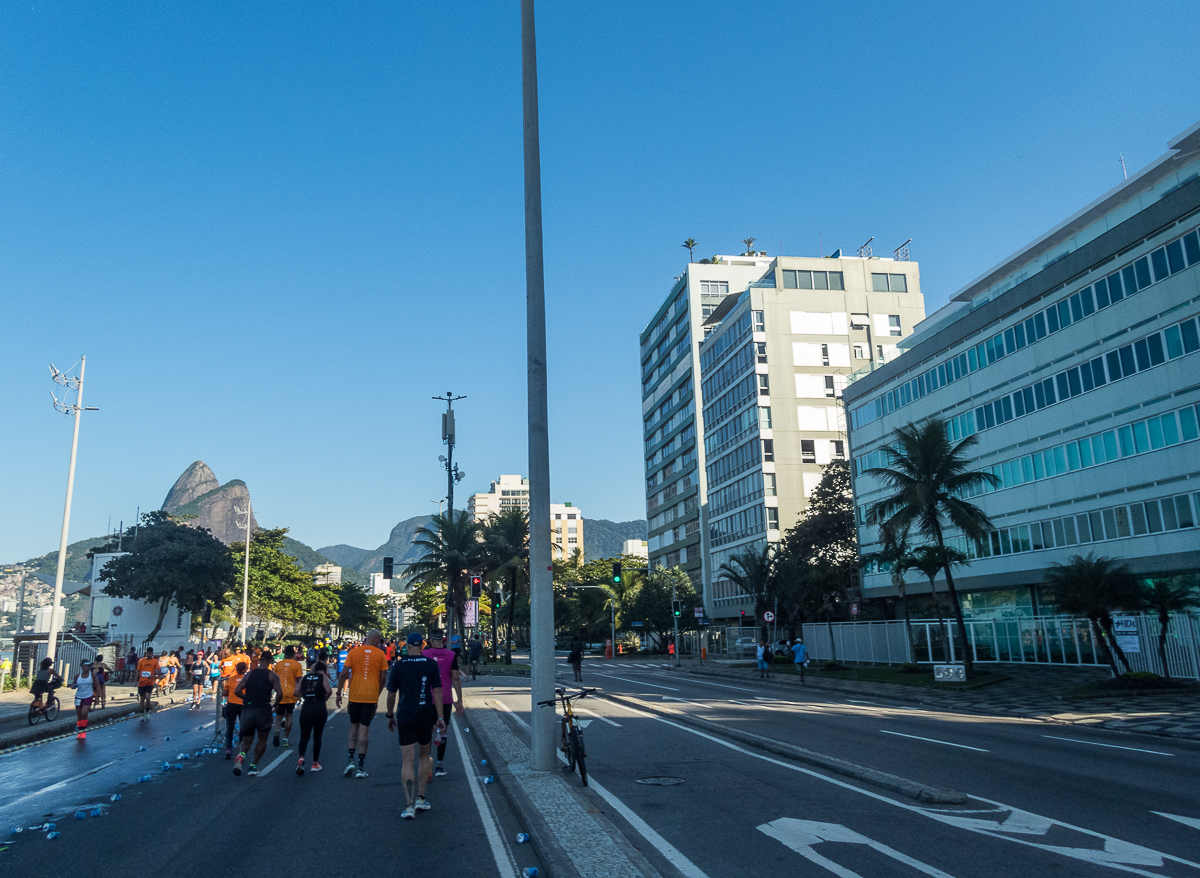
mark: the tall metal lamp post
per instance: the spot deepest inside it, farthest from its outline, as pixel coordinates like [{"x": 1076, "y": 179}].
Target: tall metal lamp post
[{"x": 453, "y": 476}]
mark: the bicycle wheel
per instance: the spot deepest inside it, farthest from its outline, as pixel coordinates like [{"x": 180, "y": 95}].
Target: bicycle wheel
[
  {"x": 576, "y": 754},
  {"x": 52, "y": 709},
  {"x": 34, "y": 713},
  {"x": 569, "y": 750}
]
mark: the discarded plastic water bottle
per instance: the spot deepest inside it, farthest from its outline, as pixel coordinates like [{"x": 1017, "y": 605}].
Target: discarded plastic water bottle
[
  {"x": 179, "y": 765},
  {"x": 80, "y": 815},
  {"x": 491, "y": 778},
  {"x": 49, "y": 827},
  {"x": 522, "y": 837},
  {"x": 166, "y": 766},
  {"x": 115, "y": 797},
  {"x": 18, "y": 829},
  {"x": 53, "y": 835},
  {"x": 466, "y": 730},
  {"x": 96, "y": 812},
  {"x": 530, "y": 872},
  {"x": 483, "y": 762},
  {"x": 142, "y": 749},
  {"x": 167, "y": 738},
  {"x": 143, "y": 778}
]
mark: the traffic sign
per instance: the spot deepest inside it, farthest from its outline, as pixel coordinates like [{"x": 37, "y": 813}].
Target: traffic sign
[
  {"x": 699, "y": 611},
  {"x": 636, "y": 624},
  {"x": 768, "y": 616},
  {"x": 854, "y": 609}
]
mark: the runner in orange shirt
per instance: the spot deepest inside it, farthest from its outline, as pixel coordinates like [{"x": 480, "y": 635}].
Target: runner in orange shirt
[
  {"x": 233, "y": 706},
  {"x": 365, "y": 671},
  {"x": 289, "y": 672},
  {"x": 147, "y": 680}
]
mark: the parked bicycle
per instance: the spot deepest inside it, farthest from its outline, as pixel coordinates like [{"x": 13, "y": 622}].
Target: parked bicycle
[{"x": 571, "y": 740}]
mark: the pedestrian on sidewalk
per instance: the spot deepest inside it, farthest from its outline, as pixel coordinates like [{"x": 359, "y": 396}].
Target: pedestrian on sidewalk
[
  {"x": 764, "y": 661},
  {"x": 313, "y": 690},
  {"x": 363, "y": 674},
  {"x": 474, "y": 651},
  {"x": 450, "y": 678},
  {"x": 100, "y": 672},
  {"x": 85, "y": 690},
  {"x": 147, "y": 680},
  {"x": 414, "y": 691},
  {"x": 800, "y": 657},
  {"x": 575, "y": 659},
  {"x": 256, "y": 690}
]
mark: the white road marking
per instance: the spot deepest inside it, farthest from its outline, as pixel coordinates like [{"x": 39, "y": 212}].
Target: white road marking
[
  {"x": 602, "y": 719},
  {"x": 934, "y": 741},
  {"x": 1193, "y": 822},
  {"x": 748, "y": 704},
  {"x": 513, "y": 714},
  {"x": 274, "y": 762},
  {"x": 640, "y": 683},
  {"x": 1113, "y": 746},
  {"x": 856, "y": 701},
  {"x": 500, "y": 853},
  {"x": 718, "y": 685},
  {"x": 802, "y": 835},
  {"x": 683, "y": 701},
  {"x": 1116, "y": 854}
]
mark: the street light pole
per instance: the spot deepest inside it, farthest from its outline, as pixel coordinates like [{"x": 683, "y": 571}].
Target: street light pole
[
  {"x": 676, "y": 620},
  {"x": 246, "y": 569},
  {"x": 77, "y": 408},
  {"x": 452, "y": 475},
  {"x": 541, "y": 580}
]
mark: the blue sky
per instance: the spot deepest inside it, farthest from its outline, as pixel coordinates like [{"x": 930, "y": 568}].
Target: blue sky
[{"x": 278, "y": 230}]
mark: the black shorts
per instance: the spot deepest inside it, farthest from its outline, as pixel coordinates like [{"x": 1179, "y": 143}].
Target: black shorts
[
  {"x": 285, "y": 707},
  {"x": 144, "y": 691},
  {"x": 361, "y": 713},
  {"x": 418, "y": 730},
  {"x": 254, "y": 719}
]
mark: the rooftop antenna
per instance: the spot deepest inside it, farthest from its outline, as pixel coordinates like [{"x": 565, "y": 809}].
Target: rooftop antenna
[
  {"x": 901, "y": 252},
  {"x": 864, "y": 252},
  {"x": 1124, "y": 172}
]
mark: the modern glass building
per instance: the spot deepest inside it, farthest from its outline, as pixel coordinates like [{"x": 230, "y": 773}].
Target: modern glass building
[{"x": 1074, "y": 363}]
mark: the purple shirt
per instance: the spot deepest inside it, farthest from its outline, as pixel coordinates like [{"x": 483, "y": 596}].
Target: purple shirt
[{"x": 447, "y": 661}]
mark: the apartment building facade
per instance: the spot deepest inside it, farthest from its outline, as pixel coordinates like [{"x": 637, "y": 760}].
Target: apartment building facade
[
  {"x": 512, "y": 491},
  {"x": 1074, "y": 364}
]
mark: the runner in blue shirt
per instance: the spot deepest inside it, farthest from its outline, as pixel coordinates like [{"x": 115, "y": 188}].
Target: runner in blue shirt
[{"x": 342, "y": 655}]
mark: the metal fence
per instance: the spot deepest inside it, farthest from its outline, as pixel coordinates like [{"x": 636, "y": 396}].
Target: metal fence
[{"x": 1049, "y": 640}]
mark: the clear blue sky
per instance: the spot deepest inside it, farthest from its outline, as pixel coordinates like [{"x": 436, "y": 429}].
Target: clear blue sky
[{"x": 277, "y": 230}]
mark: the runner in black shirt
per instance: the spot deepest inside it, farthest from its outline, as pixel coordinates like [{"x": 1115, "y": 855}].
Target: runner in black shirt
[
  {"x": 313, "y": 691},
  {"x": 417, "y": 681},
  {"x": 255, "y": 691}
]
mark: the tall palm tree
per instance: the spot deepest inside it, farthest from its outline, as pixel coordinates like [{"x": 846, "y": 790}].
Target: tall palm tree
[
  {"x": 1172, "y": 594},
  {"x": 450, "y": 547},
  {"x": 896, "y": 553},
  {"x": 1094, "y": 587},
  {"x": 749, "y": 242},
  {"x": 506, "y": 552},
  {"x": 751, "y": 570},
  {"x": 928, "y": 474},
  {"x": 690, "y": 244}
]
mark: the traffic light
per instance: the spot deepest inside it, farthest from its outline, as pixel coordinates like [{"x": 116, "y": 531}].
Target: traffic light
[
  {"x": 476, "y": 586},
  {"x": 743, "y": 618},
  {"x": 677, "y": 608},
  {"x": 387, "y": 568},
  {"x": 616, "y": 572}
]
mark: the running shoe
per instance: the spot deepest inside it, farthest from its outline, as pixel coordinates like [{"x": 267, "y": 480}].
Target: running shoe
[
  {"x": 237, "y": 765},
  {"x": 439, "y": 771},
  {"x": 361, "y": 774},
  {"x": 285, "y": 742},
  {"x": 82, "y": 736},
  {"x": 423, "y": 804},
  {"x": 275, "y": 740},
  {"x": 253, "y": 772},
  {"x": 228, "y": 754},
  {"x": 350, "y": 769},
  {"x": 316, "y": 766},
  {"x": 299, "y": 767},
  {"x": 409, "y": 813}
]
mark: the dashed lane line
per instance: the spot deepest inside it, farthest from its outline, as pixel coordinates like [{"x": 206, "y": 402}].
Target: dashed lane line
[
  {"x": 1112, "y": 746},
  {"x": 640, "y": 683},
  {"x": 934, "y": 741}
]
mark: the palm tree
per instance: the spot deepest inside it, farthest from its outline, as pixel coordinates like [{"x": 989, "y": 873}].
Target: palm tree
[
  {"x": 451, "y": 548},
  {"x": 1094, "y": 587},
  {"x": 690, "y": 244},
  {"x": 506, "y": 551},
  {"x": 929, "y": 474},
  {"x": 749, "y": 242},
  {"x": 752, "y": 570},
  {"x": 896, "y": 553},
  {"x": 1172, "y": 594}
]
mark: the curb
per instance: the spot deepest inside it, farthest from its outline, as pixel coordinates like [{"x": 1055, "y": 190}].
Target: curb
[
  {"x": 551, "y": 855},
  {"x": 904, "y": 786},
  {"x": 11, "y": 741}
]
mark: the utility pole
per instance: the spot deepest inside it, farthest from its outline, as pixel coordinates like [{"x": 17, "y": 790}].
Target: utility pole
[
  {"x": 541, "y": 580},
  {"x": 453, "y": 475},
  {"x": 675, "y": 619},
  {"x": 246, "y": 569},
  {"x": 76, "y": 408}
]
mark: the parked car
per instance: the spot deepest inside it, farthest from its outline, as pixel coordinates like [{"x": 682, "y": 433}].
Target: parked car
[{"x": 745, "y": 646}]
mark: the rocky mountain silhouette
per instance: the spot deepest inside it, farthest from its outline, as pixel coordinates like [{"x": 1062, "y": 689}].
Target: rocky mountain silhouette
[{"x": 197, "y": 492}]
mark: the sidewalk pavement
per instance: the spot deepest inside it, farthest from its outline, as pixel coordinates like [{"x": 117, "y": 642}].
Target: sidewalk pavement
[{"x": 1041, "y": 692}]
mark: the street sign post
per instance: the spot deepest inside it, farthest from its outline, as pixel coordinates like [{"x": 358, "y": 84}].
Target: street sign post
[{"x": 768, "y": 616}]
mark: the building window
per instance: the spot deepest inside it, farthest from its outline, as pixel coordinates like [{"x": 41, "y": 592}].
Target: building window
[
  {"x": 829, "y": 390},
  {"x": 812, "y": 280},
  {"x": 860, "y": 352},
  {"x": 884, "y": 283},
  {"x": 772, "y": 518},
  {"x": 894, "y": 323},
  {"x": 764, "y": 417},
  {"x": 760, "y": 324},
  {"x": 808, "y": 451},
  {"x": 838, "y": 449},
  {"x": 715, "y": 287},
  {"x": 859, "y": 321},
  {"x": 768, "y": 449},
  {"x": 572, "y": 540},
  {"x": 692, "y": 527},
  {"x": 764, "y": 386},
  {"x": 760, "y": 349},
  {"x": 769, "y": 484},
  {"x": 706, "y": 310},
  {"x": 824, "y": 355}
]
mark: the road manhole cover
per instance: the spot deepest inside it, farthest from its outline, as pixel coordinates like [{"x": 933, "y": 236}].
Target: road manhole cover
[{"x": 662, "y": 781}]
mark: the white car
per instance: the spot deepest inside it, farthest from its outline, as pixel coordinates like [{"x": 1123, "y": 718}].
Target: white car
[{"x": 745, "y": 646}]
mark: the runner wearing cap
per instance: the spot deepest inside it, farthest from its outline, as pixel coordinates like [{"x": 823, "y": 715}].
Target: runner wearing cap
[
  {"x": 84, "y": 687},
  {"x": 363, "y": 675},
  {"x": 451, "y": 684},
  {"x": 416, "y": 679}
]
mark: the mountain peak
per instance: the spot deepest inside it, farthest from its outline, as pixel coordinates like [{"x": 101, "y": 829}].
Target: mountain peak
[{"x": 196, "y": 480}]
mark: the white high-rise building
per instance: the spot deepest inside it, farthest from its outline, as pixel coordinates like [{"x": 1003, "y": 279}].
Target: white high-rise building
[{"x": 512, "y": 491}]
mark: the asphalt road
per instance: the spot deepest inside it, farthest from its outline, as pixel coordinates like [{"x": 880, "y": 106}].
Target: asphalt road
[
  {"x": 1046, "y": 799},
  {"x": 201, "y": 819}
]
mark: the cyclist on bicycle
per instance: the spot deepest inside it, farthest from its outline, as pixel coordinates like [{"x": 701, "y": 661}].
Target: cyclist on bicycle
[{"x": 46, "y": 681}]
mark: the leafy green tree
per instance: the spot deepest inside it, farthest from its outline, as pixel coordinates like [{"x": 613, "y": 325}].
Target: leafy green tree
[
  {"x": 1094, "y": 587},
  {"x": 752, "y": 571},
  {"x": 280, "y": 589},
  {"x": 929, "y": 561},
  {"x": 169, "y": 562},
  {"x": 505, "y": 558},
  {"x": 895, "y": 553},
  {"x": 1170, "y": 594},
  {"x": 929, "y": 474},
  {"x": 652, "y": 603},
  {"x": 690, "y": 244},
  {"x": 749, "y": 242},
  {"x": 423, "y": 597},
  {"x": 450, "y": 548},
  {"x": 359, "y": 611}
]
